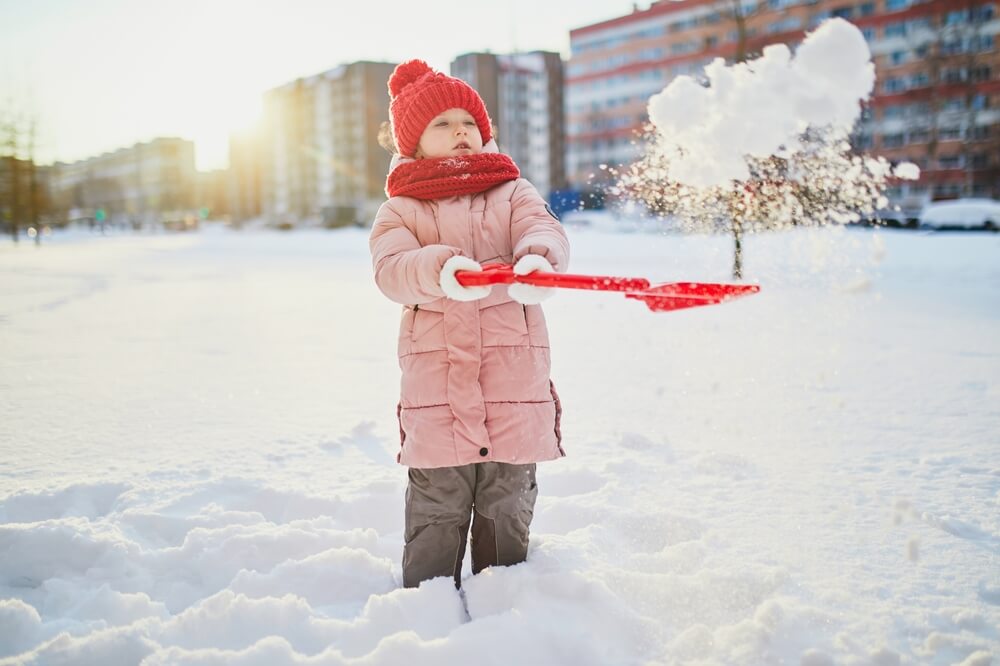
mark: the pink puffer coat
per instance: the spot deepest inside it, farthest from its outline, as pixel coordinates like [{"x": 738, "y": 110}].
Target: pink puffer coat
[{"x": 475, "y": 384}]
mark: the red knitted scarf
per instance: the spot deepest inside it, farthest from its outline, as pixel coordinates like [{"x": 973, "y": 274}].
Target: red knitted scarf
[{"x": 441, "y": 177}]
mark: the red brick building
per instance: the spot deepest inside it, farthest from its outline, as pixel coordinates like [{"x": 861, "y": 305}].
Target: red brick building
[{"x": 936, "y": 101}]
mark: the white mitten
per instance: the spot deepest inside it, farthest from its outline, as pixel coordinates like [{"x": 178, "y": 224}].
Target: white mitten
[
  {"x": 449, "y": 283},
  {"x": 529, "y": 294}
]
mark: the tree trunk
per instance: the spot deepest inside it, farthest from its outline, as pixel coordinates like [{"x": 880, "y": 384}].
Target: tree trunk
[
  {"x": 737, "y": 250},
  {"x": 15, "y": 199},
  {"x": 33, "y": 216}
]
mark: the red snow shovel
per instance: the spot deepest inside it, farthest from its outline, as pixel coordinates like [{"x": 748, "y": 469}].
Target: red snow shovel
[{"x": 659, "y": 298}]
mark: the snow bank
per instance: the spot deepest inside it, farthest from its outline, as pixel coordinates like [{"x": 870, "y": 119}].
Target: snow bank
[{"x": 775, "y": 480}]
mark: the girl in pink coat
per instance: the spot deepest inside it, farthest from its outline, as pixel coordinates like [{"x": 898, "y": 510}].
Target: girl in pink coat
[{"x": 477, "y": 409}]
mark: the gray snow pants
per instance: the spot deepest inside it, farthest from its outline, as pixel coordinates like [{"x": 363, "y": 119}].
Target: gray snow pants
[{"x": 501, "y": 500}]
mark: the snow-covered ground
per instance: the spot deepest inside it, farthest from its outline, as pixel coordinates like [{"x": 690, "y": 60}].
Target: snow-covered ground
[{"x": 197, "y": 438}]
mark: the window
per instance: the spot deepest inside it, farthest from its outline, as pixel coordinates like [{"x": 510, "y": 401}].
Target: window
[
  {"x": 953, "y": 104},
  {"x": 981, "y": 43},
  {"x": 950, "y": 134},
  {"x": 954, "y": 18},
  {"x": 953, "y": 75},
  {"x": 950, "y": 162},
  {"x": 893, "y": 111},
  {"x": 842, "y": 12},
  {"x": 893, "y": 84},
  {"x": 897, "y": 57},
  {"x": 897, "y": 29},
  {"x": 681, "y": 48},
  {"x": 863, "y": 141},
  {"x": 866, "y": 8},
  {"x": 919, "y": 136},
  {"x": 818, "y": 18},
  {"x": 980, "y": 73},
  {"x": 980, "y": 161},
  {"x": 893, "y": 141},
  {"x": 952, "y": 47},
  {"x": 980, "y": 101},
  {"x": 868, "y": 33},
  {"x": 980, "y": 132},
  {"x": 785, "y": 25},
  {"x": 919, "y": 80},
  {"x": 896, "y": 5}
]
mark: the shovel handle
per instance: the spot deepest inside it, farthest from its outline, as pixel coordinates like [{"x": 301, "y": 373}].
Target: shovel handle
[{"x": 504, "y": 274}]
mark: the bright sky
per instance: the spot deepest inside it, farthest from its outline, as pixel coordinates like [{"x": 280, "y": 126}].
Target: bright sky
[{"x": 104, "y": 74}]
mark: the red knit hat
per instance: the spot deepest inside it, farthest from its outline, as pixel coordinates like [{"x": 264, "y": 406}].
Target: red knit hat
[{"x": 419, "y": 94}]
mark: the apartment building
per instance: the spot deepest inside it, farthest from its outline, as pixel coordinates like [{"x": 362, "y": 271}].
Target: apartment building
[
  {"x": 936, "y": 100},
  {"x": 131, "y": 185},
  {"x": 244, "y": 182},
  {"x": 322, "y": 161},
  {"x": 524, "y": 95}
]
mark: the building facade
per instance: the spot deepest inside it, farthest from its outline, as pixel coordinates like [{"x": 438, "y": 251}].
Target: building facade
[
  {"x": 936, "y": 100},
  {"x": 937, "y": 97},
  {"x": 322, "y": 160},
  {"x": 136, "y": 185},
  {"x": 244, "y": 181},
  {"x": 524, "y": 95}
]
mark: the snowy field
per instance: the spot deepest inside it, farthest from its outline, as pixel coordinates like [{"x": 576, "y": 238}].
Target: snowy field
[{"x": 197, "y": 438}]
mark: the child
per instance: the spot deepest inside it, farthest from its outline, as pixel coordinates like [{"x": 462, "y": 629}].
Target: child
[{"x": 477, "y": 409}]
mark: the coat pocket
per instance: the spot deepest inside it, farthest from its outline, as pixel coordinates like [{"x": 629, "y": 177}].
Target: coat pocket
[
  {"x": 534, "y": 320},
  {"x": 405, "y": 331},
  {"x": 494, "y": 231},
  {"x": 504, "y": 325},
  {"x": 427, "y": 331}
]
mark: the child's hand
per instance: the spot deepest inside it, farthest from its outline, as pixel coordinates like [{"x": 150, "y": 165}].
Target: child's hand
[
  {"x": 449, "y": 283},
  {"x": 529, "y": 294},
  {"x": 540, "y": 250}
]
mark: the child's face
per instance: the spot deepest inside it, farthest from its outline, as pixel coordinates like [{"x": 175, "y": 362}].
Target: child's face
[{"x": 450, "y": 134}]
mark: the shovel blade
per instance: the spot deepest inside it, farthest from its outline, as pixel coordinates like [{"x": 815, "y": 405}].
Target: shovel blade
[{"x": 681, "y": 295}]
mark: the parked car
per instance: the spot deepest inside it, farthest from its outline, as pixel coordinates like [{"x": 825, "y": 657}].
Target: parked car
[
  {"x": 962, "y": 214},
  {"x": 890, "y": 217}
]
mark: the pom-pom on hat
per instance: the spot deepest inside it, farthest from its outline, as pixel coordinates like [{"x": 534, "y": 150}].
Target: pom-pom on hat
[{"x": 418, "y": 94}]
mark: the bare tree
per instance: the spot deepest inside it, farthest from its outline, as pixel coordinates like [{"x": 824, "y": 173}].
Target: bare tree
[
  {"x": 738, "y": 13},
  {"x": 11, "y": 203},
  {"x": 33, "y": 191},
  {"x": 21, "y": 195}
]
